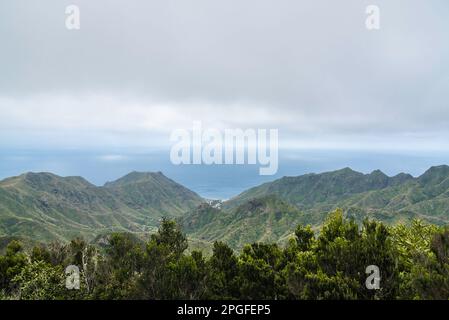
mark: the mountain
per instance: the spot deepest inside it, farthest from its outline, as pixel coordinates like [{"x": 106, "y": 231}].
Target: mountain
[
  {"x": 153, "y": 193},
  {"x": 265, "y": 219},
  {"x": 309, "y": 190},
  {"x": 44, "y": 206},
  {"x": 272, "y": 210}
]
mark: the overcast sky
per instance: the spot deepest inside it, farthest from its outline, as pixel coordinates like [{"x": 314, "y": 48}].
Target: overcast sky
[{"x": 138, "y": 69}]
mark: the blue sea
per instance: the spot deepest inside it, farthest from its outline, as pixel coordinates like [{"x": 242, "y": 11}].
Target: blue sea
[{"x": 210, "y": 181}]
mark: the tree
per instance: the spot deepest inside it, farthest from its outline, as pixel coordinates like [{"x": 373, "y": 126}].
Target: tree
[
  {"x": 429, "y": 277},
  {"x": 115, "y": 275},
  {"x": 224, "y": 270},
  {"x": 333, "y": 266},
  {"x": 162, "y": 252},
  {"x": 41, "y": 281},
  {"x": 40, "y": 253},
  {"x": 11, "y": 265},
  {"x": 170, "y": 235},
  {"x": 259, "y": 272},
  {"x": 304, "y": 237},
  {"x": 188, "y": 277}
]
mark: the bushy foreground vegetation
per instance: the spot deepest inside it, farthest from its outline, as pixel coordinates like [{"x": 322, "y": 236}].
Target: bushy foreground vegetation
[{"x": 413, "y": 262}]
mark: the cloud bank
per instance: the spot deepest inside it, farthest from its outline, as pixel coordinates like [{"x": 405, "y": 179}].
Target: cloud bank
[{"x": 137, "y": 70}]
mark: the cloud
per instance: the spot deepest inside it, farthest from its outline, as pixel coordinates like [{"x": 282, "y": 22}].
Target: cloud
[{"x": 138, "y": 70}]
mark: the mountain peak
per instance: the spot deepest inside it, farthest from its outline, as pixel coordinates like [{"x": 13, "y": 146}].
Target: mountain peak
[
  {"x": 345, "y": 170},
  {"x": 28, "y": 177},
  {"x": 400, "y": 178},
  {"x": 345, "y": 173},
  {"x": 41, "y": 180},
  {"x": 136, "y": 177},
  {"x": 435, "y": 174},
  {"x": 378, "y": 172},
  {"x": 441, "y": 168},
  {"x": 38, "y": 175}
]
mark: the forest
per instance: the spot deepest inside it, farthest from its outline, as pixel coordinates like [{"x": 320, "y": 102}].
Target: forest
[{"x": 330, "y": 263}]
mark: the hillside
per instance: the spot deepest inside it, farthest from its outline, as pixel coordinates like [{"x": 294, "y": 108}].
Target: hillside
[
  {"x": 272, "y": 210},
  {"x": 265, "y": 219},
  {"x": 309, "y": 190},
  {"x": 47, "y": 207},
  {"x": 426, "y": 196},
  {"x": 154, "y": 194},
  {"x": 44, "y": 206}
]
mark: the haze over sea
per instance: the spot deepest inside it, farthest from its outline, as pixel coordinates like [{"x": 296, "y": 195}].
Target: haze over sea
[{"x": 213, "y": 181}]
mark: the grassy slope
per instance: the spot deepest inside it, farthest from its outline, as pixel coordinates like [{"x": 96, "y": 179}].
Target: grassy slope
[
  {"x": 272, "y": 210},
  {"x": 48, "y": 207}
]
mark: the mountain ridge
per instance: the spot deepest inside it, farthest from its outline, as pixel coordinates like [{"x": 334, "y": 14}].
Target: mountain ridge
[
  {"x": 396, "y": 199},
  {"x": 308, "y": 188},
  {"x": 45, "y": 206},
  {"x": 51, "y": 207}
]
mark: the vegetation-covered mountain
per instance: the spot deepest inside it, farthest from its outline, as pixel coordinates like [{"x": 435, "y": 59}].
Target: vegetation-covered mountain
[
  {"x": 426, "y": 196},
  {"x": 44, "y": 206},
  {"x": 310, "y": 190},
  {"x": 267, "y": 212},
  {"x": 265, "y": 219},
  {"x": 153, "y": 194}
]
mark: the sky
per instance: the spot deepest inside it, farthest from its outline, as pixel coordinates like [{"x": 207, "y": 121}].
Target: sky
[{"x": 137, "y": 70}]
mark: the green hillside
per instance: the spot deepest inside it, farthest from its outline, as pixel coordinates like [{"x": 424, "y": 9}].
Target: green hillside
[
  {"x": 426, "y": 196},
  {"x": 266, "y": 219},
  {"x": 269, "y": 212},
  {"x": 310, "y": 190},
  {"x": 153, "y": 194},
  {"x": 46, "y": 207}
]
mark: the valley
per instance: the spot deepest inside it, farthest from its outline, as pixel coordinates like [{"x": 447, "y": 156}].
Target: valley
[{"x": 45, "y": 207}]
